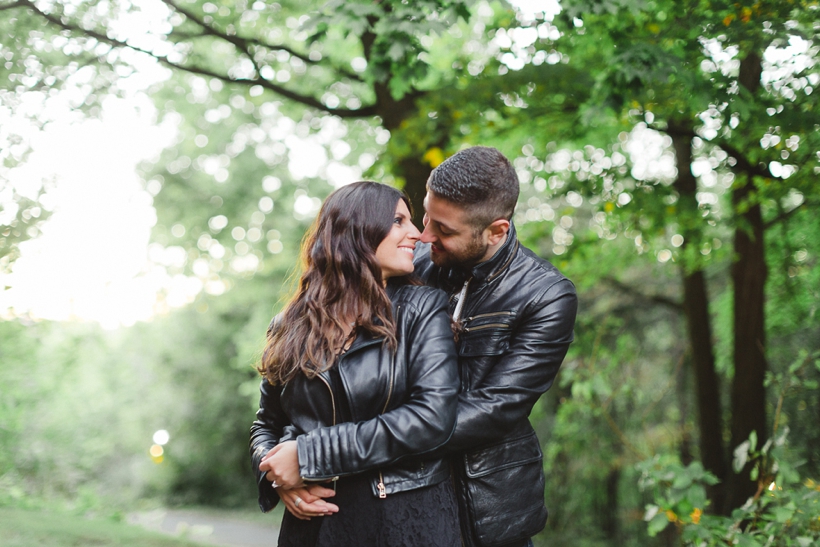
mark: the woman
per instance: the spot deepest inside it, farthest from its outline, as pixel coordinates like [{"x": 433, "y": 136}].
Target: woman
[{"x": 359, "y": 383}]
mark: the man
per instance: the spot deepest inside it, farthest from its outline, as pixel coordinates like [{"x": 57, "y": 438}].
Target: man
[{"x": 513, "y": 315}]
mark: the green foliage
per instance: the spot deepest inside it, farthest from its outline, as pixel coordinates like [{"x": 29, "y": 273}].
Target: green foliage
[
  {"x": 390, "y": 32},
  {"x": 23, "y": 528},
  {"x": 569, "y": 108},
  {"x": 80, "y": 405},
  {"x": 785, "y": 511},
  {"x": 678, "y": 492},
  {"x": 21, "y": 218},
  {"x": 226, "y": 194}
]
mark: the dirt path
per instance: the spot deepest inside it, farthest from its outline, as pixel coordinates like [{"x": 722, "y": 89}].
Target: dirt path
[{"x": 209, "y": 527}]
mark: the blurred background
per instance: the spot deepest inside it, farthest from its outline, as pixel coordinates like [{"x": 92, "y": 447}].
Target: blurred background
[{"x": 161, "y": 161}]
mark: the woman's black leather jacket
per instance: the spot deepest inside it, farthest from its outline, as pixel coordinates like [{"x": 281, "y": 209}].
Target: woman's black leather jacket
[{"x": 402, "y": 405}]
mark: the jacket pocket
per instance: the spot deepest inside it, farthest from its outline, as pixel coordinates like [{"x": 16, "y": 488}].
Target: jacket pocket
[
  {"x": 486, "y": 334},
  {"x": 505, "y": 491}
]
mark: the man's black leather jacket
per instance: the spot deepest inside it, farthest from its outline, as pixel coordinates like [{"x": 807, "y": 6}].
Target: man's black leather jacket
[
  {"x": 402, "y": 405},
  {"x": 516, "y": 326}
]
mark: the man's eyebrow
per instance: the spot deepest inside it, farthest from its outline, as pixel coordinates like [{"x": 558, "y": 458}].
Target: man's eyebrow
[{"x": 445, "y": 226}]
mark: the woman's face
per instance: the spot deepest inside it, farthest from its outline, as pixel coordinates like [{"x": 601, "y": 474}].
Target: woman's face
[{"x": 395, "y": 253}]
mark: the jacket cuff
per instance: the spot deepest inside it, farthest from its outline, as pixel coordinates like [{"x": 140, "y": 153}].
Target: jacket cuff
[
  {"x": 303, "y": 454},
  {"x": 268, "y": 498}
]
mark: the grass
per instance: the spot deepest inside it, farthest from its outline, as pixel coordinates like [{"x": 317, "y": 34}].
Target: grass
[{"x": 26, "y": 528}]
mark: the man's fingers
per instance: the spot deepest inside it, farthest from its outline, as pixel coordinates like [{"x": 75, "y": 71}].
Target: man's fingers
[
  {"x": 318, "y": 491},
  {"x": 310, "y": 495},
  {"x": 303, "y": 505},
  {"x": 316, "y": 509}
]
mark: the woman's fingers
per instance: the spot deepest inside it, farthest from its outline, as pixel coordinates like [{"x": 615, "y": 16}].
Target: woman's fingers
[
  {"x": 270, "y": 453},
  {"x": 282, "y": 465}
]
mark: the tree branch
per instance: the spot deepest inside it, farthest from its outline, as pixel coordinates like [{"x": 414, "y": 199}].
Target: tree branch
[
  {"x": 243, "y": 43},
  {"x": 786, "y": 214},
  {"x": 369, "y": 110},
  {"x": 290, "y": 51},
  {"x": 238, "y": 42},
  {"x": 743, "y": 164},
  {"x": 656, "y": 298},
  {"x": 12, "y": 6}
]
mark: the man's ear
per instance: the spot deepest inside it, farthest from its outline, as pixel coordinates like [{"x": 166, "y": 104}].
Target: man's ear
[{"x": 497, "y": 230}]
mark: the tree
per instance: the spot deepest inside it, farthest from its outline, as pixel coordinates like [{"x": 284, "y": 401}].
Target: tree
[
  {"x": 721, "y": 92},
  {"x": 352, "y": 60},
  {"x": 730, "y": 87},
  {"x": 21, "y": 209}
]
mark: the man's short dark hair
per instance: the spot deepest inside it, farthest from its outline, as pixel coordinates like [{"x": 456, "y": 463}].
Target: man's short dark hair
[{"x": 481, "y": 181}]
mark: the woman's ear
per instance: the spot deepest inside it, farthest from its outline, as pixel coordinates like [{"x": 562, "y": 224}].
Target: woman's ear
[{"x": 497, "y": 230}]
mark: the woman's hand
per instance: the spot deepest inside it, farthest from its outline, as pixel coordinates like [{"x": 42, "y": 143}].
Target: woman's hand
[
  {"x": 306, "y": 502},
  {"x": 282, "y": 466}
]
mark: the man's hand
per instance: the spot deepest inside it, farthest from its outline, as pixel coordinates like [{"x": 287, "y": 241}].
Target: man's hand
[
  {"x": 306, "y": 502},
  {"x": 281, "y": 464}
]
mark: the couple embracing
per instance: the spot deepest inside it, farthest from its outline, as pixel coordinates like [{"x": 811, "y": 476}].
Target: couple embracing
[{"x": 399, "y": 379}]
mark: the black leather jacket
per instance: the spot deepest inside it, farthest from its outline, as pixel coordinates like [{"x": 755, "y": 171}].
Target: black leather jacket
[
  {"x": 517, "y": 324},
  {"x": 402, "y": 405}
]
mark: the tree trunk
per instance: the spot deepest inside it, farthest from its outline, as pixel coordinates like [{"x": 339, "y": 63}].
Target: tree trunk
[
  {"x": 412, "y": 168},
  {"x": 415, "y": 174},
  {"x": 683, "y": 390},
  {"x": 610, "y": 523},
  {"x": 392, "y": 113},
  {"x": 748, "y": 390},
  {"x": 748, "y": 279},
  {"x": 698, "y": 323}
]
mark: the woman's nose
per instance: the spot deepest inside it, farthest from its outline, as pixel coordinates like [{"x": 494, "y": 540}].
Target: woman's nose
[{"x": 414, "y": 233}]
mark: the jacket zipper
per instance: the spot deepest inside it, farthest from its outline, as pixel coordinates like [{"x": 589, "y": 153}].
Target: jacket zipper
[
  {"x": 380, "y": 486},
  {"x": 332, "y": 398},
  {"x": 488, "y": 326},
  {"x": 479, "y": 316},
  {"x": 392, "y": 381},
  {"x": 333, "y": 405}
]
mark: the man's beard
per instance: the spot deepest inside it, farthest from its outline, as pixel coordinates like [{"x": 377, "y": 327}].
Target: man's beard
[{"x": 462, "y": 258}]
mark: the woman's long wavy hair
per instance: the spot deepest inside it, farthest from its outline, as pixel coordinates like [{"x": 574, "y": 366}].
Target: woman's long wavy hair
[{"x": 341, "y": 279}]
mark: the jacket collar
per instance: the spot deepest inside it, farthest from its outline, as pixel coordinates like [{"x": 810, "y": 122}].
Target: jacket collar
[
  {"x": 484, "y": 272},
  {"x": 488, "y": 270},
  {"x": 363, "y": 338}
]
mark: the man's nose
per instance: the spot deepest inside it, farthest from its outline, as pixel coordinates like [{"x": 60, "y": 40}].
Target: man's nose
[{"x": 427, "y": 235}]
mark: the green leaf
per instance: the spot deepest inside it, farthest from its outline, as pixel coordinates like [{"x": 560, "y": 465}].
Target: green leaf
[
  {"x": 396, "y": 51},
  {"x": 783, "y": 514},
  {"x": 741, "y": 456},
  {"x": 658, "y": 524},
  {"x": 682, "y": 480},
  {"x": 752, "y": 441}
]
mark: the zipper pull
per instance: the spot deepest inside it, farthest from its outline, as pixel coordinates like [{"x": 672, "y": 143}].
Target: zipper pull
[{"x": 380, "y": 486}]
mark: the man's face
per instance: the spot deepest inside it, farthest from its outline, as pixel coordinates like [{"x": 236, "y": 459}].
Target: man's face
[{"x": 453, "y": 240}]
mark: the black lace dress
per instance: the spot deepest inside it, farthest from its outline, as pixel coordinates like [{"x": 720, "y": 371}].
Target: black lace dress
[{"x": 425, "y": 517}]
